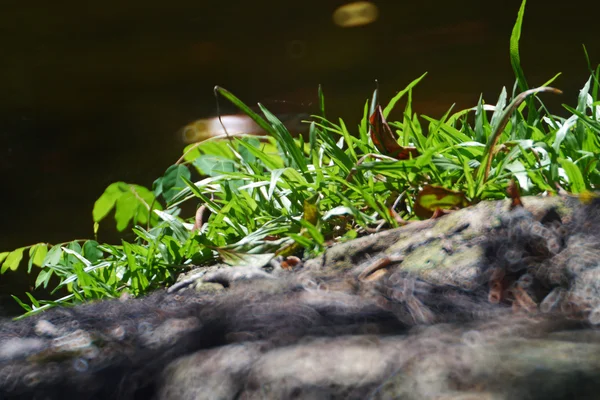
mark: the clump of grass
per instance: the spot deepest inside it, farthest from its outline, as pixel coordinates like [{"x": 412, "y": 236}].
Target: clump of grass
[{"x": 278, "y": 194}]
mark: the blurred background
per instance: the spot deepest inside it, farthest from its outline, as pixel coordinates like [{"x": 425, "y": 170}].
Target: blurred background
[{"x": 97, "y": 92}]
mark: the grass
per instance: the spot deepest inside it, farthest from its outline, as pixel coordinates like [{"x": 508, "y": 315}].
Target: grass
[{"x": 279, "y": 195}]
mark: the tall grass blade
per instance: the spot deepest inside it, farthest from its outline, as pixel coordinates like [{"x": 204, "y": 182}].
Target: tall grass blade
[
  {"x": 321, "y": 102},
  {"x": 399, "y": 95},
  {"x": 515, "y": 58},
  {"x": 245, "y": 109}
]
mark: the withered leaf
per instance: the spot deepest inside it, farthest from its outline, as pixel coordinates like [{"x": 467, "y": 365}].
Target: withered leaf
[
  {"x": 515, "y": 194},
  {"x": 385, "y": 140}
]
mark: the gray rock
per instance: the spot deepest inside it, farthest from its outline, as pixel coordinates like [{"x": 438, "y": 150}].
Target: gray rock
[{"x": 480, "y": 304}]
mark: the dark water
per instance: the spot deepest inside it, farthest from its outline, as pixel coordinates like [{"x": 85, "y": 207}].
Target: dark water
[{"x": 95, "y": 93}]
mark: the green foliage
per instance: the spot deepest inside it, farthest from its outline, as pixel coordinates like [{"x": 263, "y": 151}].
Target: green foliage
[
  {"x": 262, "y": 196},
  {"x": 131, "y": 202}
]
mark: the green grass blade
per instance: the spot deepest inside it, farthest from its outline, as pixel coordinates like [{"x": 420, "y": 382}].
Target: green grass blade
[
  {"x": 245, "y": 109},
  {"x": 399, "y": 95},
  {"x": 286, "y": 141},
  {"x": 321, "y": 102},
  {"x": 576, "y": 180},
  {"x": 515, "y": 58}
]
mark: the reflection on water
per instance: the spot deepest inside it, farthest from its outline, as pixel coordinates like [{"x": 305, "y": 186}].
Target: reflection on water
[
  {"x": 357, "y": 13},
  {"x": 238, "y": 124}
]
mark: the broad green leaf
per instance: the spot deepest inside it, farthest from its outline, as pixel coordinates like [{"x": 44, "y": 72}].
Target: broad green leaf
[
  {"x": 172, "y": 181},
  {"x": 43, "y": 278},
  {"x": 3, "y": 255},
  {"x": 13, "y": 260},
  {"x": 91, "y": 251},
  {"x": 131, "y": 202},
  {"x": 212, "y": 165},
  {"x": 576, "y": 180},
  {"x": 107, "y": 201},
  {"x": 78, "y": 256},
  {"x": 271, "y": 160},
  {"x": 53, "y": 257},
  {"x": 37, "y": 254}
]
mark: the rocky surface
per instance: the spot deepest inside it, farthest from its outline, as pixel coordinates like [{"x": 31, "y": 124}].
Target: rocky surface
[{"x": 483, "y": 303}]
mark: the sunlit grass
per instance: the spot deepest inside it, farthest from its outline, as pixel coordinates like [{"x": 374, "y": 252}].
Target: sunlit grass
[{"x": 280, "y": 195}]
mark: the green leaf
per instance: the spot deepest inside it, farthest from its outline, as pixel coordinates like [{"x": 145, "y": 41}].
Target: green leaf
[
  {"x": 38, "y": 253},
  {"x": 292, "y": 152},
  {"x": 3, "y": 255},
  {"x": 248, "y": 157},
  {"x": 132, "y": 202},
  {"x": 275, "y": 175},
  {"x": 33, "y": 300},
  {"x": 245, "y": 109},
  {"x": 313, "y": 231},
  {"x": 78, "y": 256},
  {"x": 321, "y": 101},
  {"x": 482, "y": 173},
  {"x": 175, "y": 224},
  {"x": 212, "y": 165},
  {"x": 500, "y": 104},
  {"x": 138, "y": 279},
  {"x": 576, "y": 180},
  {"x": 53, "y": 257},
  {"x": 271, "y": 161},
  {"x": 515, "y": 58},
  {"x": 172, "y": 181},
  {"x": 561, "y": 133},
  {"x": 214, "y": 207},
  {"x": 26, "y": 307},
  {"x": 126, "y": 210},
  {"x": 106, "y": 202},
  {"x": 43, "y": 278},
  {"x": 13, "y": 260},
  {"x": 245, "y": 259},
  {"x": 339, "y": 210},
  {"x": 92, "y": 252}
]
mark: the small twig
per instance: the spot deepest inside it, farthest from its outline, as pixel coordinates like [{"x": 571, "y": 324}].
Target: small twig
[
  {"x": 219, "y": 115},
  {"x": 199, "y": 218}
]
